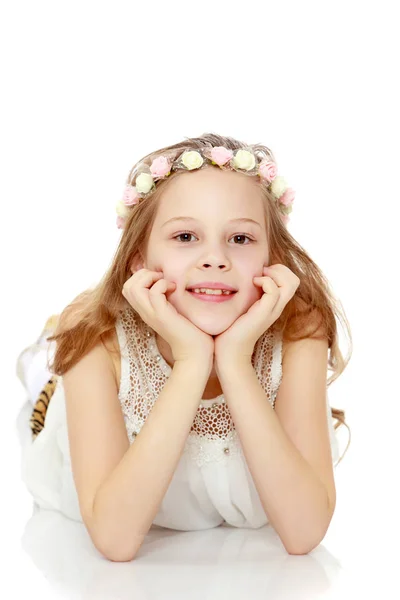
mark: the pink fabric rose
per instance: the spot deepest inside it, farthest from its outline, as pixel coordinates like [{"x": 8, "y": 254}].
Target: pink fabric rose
[
  {"x": 285, "y": 219},
  {"x": 221, "y": 155},
  {"x": 287, "y": 197},
  {"x": 120, "y": 222},
  {"x": 160, "y": 167},
  {"x": 130, "y": 196},
  {"x": 267, "y": 170}
]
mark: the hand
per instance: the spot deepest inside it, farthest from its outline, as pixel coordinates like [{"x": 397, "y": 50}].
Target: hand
[
  {"x": 149, "y": 300},
  {"x": 237, "y": 343}
]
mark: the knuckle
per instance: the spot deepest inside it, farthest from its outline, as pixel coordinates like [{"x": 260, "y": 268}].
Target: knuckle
[{"x": 156, "y": 285}]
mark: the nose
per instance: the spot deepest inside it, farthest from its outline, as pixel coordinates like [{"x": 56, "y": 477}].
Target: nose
[
  {"x": 210, "y": 265},
  {"x": 217, "y": 263},
  {"x": 215, "y": 258}
]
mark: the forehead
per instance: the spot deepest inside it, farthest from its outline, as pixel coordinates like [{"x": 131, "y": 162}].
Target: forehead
[{"x": 212, "y": 188}]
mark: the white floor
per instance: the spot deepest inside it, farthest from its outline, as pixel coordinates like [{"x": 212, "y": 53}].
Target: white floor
[{"x": 50, "y": 556}]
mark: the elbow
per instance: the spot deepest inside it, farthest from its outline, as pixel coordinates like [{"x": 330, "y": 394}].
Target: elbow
[
  {"x": 109, "y": 545},
  {"x": 118, "y": 557},
  {"x": 117, "y": 553},
  {"x": 300, "y": 550},
  {"x": 304, "y": 547},
  {"x": 114, "y": 549}
]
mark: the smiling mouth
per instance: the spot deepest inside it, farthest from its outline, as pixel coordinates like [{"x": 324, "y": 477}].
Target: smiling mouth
[
  {"x": 214, "y": 293},
  {"x": 218, "y": 298}
]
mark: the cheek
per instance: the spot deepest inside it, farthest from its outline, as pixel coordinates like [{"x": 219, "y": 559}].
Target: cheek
[
  {"x": 255, "y": 293},
  {"x": 174, "y": 275},
  {"x": 250, "y": 295}
]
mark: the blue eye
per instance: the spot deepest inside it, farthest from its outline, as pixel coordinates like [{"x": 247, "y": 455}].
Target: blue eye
[{"x": 240, "y": 235}]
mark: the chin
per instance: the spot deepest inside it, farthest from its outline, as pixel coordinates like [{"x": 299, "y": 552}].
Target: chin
[{"x": 213, "y": 326}]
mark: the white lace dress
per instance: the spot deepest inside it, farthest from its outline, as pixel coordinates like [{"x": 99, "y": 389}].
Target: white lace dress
[{"x": 211, "y": 484}]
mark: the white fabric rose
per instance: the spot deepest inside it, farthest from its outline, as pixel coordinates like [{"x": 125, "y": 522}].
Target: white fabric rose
[
  {"x": 192, "y": 159},
  {"x": 144, "y": 183},
  {"x": 121, "y": 209},
  {"x": 244, "y": 159},
  {"x": 278, "y": 186}
]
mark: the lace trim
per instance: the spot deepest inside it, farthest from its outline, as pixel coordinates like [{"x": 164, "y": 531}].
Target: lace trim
[{"x": 201, "y": 450}]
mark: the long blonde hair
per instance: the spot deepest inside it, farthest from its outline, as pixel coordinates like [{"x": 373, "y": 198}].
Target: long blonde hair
[{"x": 90, "y": 318}]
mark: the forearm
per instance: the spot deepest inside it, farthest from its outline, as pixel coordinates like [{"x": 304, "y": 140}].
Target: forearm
[
  {"x": 293, "y": 497},
  {"x": 128, "y": 501}
]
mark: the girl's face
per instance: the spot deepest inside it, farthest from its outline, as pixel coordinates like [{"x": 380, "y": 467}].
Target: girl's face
[{"x": 211, "y": 246}]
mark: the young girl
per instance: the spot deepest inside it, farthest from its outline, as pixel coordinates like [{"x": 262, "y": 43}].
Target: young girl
[{"x": 188, "y": 388}]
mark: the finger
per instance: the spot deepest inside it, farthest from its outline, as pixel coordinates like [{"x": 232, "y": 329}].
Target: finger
[
  {"x": 270, "y": 289},
  {"x": 267, "y": 283},
  {"x": 139, "y": 284},
  {"x": 276, "y": 276},
  {"x": 275, "y": 268},
  {"x": 274, "y": 298},
  {"x": 143, "y": 279},
  {"x": 157, "y": 293},
  {"x": 282, "y": 276}
]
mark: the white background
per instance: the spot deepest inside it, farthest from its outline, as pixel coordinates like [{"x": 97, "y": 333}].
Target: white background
[{"x": 91, "y": 87}]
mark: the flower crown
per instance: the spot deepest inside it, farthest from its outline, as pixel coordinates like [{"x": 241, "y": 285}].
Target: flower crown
[{"x": 242, "y": 160}]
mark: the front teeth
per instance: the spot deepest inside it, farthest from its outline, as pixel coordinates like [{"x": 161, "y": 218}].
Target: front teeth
[{"x": 208, "y": 291}]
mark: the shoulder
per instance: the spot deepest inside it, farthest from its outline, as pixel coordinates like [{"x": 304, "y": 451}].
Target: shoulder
[
  {"x": 313, "y": 327},
  {"x": 109, "y": 344}
]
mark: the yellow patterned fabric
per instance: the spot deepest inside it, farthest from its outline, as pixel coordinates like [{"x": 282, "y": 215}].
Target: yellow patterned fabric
[{"x": 41, "y": 405}]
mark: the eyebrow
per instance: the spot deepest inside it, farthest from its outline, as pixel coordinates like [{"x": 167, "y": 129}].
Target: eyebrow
[{"x": 240, "y": 219}]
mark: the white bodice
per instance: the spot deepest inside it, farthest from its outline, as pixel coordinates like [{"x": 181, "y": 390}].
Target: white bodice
[{"x": 144, "y": 373}]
